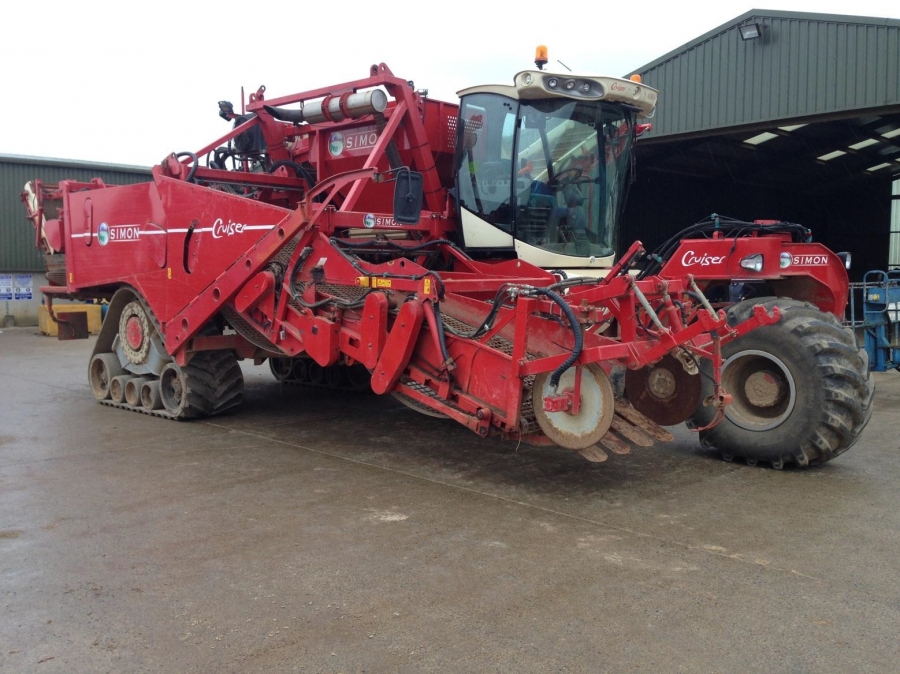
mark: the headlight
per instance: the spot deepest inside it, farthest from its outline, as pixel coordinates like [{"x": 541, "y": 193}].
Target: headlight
[
  {"x": 785, "y": 260},
  {"x": 753, "y": 262},
  {"x": 570, "y": 84},
  {"x": 552, "y": 83},
  {"x": 846, "y": 259}
]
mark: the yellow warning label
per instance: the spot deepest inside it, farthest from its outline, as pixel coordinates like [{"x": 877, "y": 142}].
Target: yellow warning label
[
  {"x": 371, "y": 282},
  {"x": 428, "y": 286}
]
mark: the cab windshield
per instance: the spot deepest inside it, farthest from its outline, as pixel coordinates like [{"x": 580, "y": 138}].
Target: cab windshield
[{"x": 549, "y": 172}]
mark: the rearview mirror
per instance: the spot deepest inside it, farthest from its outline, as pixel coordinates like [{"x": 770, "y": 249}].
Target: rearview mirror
[{"x": 408, "y": 197}]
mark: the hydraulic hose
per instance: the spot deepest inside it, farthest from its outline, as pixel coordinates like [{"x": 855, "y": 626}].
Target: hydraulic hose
[
  {"x": 502, "y": 294},
  {"x": 442, "y": 339},
  {"x": 195, "y": 164},
  {"x": 576, "y": 329},
  {"x": 395, "y": 246},
  {"x": 301, "y": 171},
  {"x": 728, "y": 227}
]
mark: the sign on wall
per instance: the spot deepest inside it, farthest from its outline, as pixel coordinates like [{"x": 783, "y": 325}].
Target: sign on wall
[
  {"x": 23, "y": 287},
  {"x": 6, "y": 287}
]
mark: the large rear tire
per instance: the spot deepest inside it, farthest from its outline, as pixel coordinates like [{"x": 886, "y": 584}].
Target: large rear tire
[{"x": 802, "y": 389}]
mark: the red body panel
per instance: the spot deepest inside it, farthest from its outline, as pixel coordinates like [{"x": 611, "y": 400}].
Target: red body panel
[{"x": 815, "y": 274}]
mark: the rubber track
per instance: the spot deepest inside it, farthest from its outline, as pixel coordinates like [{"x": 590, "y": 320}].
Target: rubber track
[
  {"x": 214, "y": 382},
  {"x": 202, "y": 367},
  {"x": 161, "y": 413}
]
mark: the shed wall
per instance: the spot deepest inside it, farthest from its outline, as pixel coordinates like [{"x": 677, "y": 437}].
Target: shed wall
[
  {"x": 661, "y": 206},
  {"x": 801, "y": 67}
]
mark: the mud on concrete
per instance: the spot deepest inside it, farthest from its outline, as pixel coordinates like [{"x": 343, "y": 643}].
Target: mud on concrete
[{"x": 324, "y": 532}]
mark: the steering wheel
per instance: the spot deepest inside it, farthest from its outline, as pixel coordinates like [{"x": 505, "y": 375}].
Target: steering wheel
[{"x": 566, "y": 177}]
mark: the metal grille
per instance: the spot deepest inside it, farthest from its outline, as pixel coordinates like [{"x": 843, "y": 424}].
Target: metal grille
[
  {"x": 341, "y": 292},
  {"x": 451, "y": 132},
  {"x": 284, "y": 255},
  {"x": 415, "y": 404},
  {"x": 247, "y": 331},
  {"x": 527, "y": 419}
]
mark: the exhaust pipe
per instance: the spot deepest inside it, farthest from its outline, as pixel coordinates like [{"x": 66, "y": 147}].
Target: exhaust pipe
[{"x": 312, "y": 112}]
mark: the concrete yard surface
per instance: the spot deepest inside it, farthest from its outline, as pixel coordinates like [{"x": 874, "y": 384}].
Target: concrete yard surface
[{"x": 316, "y": 531}]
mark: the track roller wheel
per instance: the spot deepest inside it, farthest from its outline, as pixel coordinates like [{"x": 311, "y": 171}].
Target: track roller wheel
[
  {"x": 209, "y": 384},
  {"x": 103, "y": 367},
  {"x": 281, "y": 368},
  {"x": 359, "y": 377},
  {"x": 802, "y": 389},
  {"x": 117, "y": 387},
  {"x": 133, "y": 390},
  {"x": 334, "y": 375},
  {"x": 300, "y": 369},
  {"x": 576, "y": 431},
  {"x": 150, "y": 398},
  {"x": 316, "y": 373}
]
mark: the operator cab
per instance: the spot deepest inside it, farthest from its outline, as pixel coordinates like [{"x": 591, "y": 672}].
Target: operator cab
[{"x": 541, "y": 166}]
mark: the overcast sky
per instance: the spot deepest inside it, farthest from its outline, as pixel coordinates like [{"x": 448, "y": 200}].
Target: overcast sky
[{"x": 130, "y": 82}]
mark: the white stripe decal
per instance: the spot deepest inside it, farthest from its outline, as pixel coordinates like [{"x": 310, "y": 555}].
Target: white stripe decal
[{"x": 150, "y": 232}]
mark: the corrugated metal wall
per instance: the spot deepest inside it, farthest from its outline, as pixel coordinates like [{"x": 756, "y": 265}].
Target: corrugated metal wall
[
  {"x": 17, "y": 251},
  {"x": 804, "y": 65}
]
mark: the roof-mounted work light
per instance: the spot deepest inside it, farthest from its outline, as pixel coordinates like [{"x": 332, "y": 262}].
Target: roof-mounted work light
[{"x": 750, "y": 31}]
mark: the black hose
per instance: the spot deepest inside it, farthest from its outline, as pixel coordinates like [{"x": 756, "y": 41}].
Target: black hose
[
  {"x": 442, "y": 338},
  {"x": 304, "y": 254},
  {"x": 298, "y": 169},
  {"x": 195, "y": 163},
  {"x": 728, "y": 227},
  {"x": 394, "y": 245},
  {"x": 576, "y": 328},
  {"x": 502, "y": 294},
  {"x": 575, "y": 281}
]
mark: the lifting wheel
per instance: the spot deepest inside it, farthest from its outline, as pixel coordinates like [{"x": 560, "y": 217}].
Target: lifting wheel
[
  {"x": 664, "y": 392},
  {"x": 597, "y": 407}
]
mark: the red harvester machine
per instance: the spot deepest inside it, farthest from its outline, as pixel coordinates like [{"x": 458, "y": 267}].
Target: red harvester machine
[{"x": 365, "y": 236}]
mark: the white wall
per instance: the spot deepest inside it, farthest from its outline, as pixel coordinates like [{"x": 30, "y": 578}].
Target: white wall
[{"x": 25, "y": 312}]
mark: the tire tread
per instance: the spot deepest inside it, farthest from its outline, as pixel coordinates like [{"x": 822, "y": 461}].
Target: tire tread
[{"x": 841, "y": 368}]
